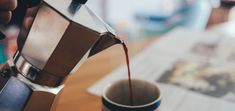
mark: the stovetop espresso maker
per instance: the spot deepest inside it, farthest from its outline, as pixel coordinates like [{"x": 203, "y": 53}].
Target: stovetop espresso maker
[{"x": 64, "y": 33}]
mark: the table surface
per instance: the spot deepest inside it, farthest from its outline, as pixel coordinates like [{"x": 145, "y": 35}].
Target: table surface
[{"x": 75, "y": 97}]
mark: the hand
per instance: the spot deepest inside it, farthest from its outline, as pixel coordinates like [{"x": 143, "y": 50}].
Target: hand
[{"x": 6, "y": 6}]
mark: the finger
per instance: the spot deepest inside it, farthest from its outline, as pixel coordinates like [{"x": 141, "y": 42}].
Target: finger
[
  {"x": 27, "y": 22},
  {"x": 5, "y": 17},
  {"x": 32, "y": 11},
  {"x": 8, "y": 5}
]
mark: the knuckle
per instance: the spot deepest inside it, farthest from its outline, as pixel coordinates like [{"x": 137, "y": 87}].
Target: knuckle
[
  {"x": 8, "y": 5},
  {"x": 5, "y": 17},
  {"x": 12, "y": 4}
]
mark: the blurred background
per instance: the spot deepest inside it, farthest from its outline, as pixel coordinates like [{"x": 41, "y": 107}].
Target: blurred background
[{"x": 136, "y": 20}]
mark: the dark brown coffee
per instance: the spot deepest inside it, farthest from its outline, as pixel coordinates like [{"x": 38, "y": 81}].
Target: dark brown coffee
[{"x": 129, "y": 73}]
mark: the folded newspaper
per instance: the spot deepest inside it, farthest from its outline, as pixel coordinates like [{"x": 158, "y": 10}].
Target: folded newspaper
[{"x": 195, "y": 71}]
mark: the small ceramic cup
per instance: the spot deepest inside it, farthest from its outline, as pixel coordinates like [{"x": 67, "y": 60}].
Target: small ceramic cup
[{"x": 116, "y": 96}]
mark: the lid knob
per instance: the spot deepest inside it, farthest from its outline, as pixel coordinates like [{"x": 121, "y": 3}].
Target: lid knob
[{"x": 80, "y": 1}]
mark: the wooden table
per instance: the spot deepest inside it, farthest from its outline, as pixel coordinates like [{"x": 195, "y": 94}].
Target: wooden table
[{"x": 75, "y": 96}]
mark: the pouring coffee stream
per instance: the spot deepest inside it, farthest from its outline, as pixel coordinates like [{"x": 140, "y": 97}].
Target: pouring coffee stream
[{"x": 131, "y": 97}]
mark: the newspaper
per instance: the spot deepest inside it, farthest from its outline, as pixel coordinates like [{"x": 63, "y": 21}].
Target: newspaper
[{"x": 195, "y": 71}]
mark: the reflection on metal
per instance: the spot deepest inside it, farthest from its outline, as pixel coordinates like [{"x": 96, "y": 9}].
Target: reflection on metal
[{"x": 14, "y": 90}]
